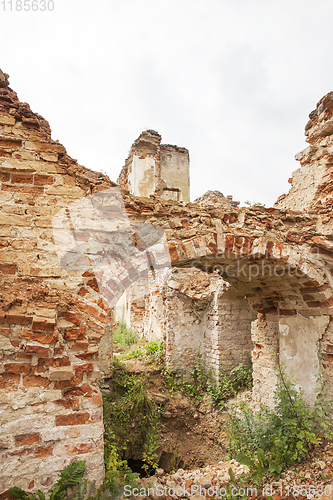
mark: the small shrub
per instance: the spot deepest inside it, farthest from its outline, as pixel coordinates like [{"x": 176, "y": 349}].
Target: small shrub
[
  {"x": 254, "y": 203},
  {"x": 203, "y": 382},
  {"x": 270, "y": 440}
]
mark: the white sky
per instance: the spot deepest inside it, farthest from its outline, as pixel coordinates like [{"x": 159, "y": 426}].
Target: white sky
[{"x": 231, "y": 80}]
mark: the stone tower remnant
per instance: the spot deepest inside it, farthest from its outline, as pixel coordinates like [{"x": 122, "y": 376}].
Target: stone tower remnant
[{"x": 158, "y": 169}]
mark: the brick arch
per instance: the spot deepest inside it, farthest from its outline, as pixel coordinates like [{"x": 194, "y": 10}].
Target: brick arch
[
  {"x": 290, "y": 286},
  {"x": 272, "y": 275}
]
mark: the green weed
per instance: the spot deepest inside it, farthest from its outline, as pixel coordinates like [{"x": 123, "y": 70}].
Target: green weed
[
  {"x": 124, "y": 336},
  {"x": 130, "y": 417},
  {"x": 269, "y": 440}
]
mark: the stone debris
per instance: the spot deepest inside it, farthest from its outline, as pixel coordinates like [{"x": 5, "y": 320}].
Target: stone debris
[
  {"x": 216, "y": 198},
  {"x": 313, "y": 475}
]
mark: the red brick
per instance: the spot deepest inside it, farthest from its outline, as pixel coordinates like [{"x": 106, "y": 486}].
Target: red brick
[
  {"x": 269, "y": 247},
  {"x": 17, "y": 319},
  {"x": 27, "y": 439},
  {"x": 314, "y": 289},
  {"x": 313, "y": 303},
  {"x": 82, "y": 292},
  {"x": 37, "y": 349},
  {"x": 188, "y": 484},
  {"x": 307, "y": 297},
  {"x": 43, "y": 180},
  {"x": 48, "y": 305},
  {"x": 73, "y": 317},
  {"x": 70, "y": 392},
  {"x": 93, "y": 284},
  {"x": 287, "y": 312},
  {"x": 5, "y": 331},
  {"x": 65, "y": 384},
  {"x": 80, "y": 345},
  {"x": 41, "y": 369},
  {"x": 70, "y": 403},
  {"x": 55, "y": 362},
  {"x": 39, "y": 452},
  {"x": 79, "y": 448},
  {"x": 8, "y": 268},
  {"x": 211, "y": 245},
  {"x": 86, "y": 356},
  {"x": 74, "y": 333},
  {"x": 173, "y": 252},
  {"x": 2, "y": 317},
  {"x": 23, "y": 355},
  {"x": 88, "y": 274},
  {"x": 87, "y": 390},
  {"x": 21, "y": 179},
  {"x": 101, "y": 304},
  {"x": 19, "y": 368},
  {"x": 92, "y": 311},
  {"x": 70, "y": 419},
  {"x": 229, "y": 242},
  {"x": 132, "y": 274},
  {"x": 42, "y": 338},
  {"x": 35, "y": 381},
  {"x": 86, "y": 367},
  {"x": 43, "y": 324},
  {"x": 247, "y": 245},
  {"x": 4, "y": 177},
  {"x": 9, "y": 381},
  {"x": 58, "y": 350},
  {"x": 239, "y": 241},
  {"x": 312, "y": 283},
  {"x": 328, "y": 357},
  {"x": 15, "y": 343}
]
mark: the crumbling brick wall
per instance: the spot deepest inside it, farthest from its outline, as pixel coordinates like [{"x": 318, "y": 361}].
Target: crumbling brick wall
[
  {"x": 311, "y": 184},
  {"x": 227, "y": 335},
  {"x": 52, "y": 319}
]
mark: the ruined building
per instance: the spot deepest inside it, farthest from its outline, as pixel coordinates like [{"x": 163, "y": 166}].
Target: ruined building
[
  {"x": 187, "y": 308},
  {"x": 56, "y": 291},
  {"x": 158, "y": 169}
]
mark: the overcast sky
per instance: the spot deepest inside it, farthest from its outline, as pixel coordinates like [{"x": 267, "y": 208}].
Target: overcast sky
[{"x": 231, "y": 80}]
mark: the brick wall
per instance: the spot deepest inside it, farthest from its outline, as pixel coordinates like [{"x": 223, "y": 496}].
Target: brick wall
[
  {"x": 227, "y": 333},
  {"x": 51, "y": 320}
]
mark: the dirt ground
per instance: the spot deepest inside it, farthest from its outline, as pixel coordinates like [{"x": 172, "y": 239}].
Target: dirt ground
[{"x": 192, "y": 434}]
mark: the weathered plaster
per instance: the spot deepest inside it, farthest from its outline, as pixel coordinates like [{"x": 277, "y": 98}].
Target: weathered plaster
[{"x": 299, "y": 344}]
